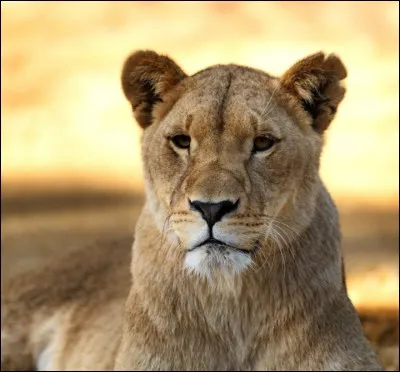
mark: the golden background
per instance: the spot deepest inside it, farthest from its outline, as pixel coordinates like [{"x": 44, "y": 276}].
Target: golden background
[
  {"x": 70, "y": 157},
  {"x": 64, "y": 118}
]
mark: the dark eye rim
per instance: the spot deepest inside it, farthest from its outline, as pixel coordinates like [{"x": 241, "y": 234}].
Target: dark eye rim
[
  {"x": 175, "y": 140},
  {"x": 273, "y": 140}
]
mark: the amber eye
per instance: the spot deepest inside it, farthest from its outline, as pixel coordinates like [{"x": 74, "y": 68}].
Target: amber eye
[
  {"x": 263, "y": 143},
  {"x": 181, "y": 141}
]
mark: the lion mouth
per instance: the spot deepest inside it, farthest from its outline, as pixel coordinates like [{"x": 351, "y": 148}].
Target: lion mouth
[{"x": 215, "y": 243}]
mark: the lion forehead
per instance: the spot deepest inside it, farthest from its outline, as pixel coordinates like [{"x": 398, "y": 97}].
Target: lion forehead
[{"x": 221, "y": 96}]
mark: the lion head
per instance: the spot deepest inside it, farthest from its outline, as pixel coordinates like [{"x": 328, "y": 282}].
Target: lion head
[{"x": 231, "y": 153}]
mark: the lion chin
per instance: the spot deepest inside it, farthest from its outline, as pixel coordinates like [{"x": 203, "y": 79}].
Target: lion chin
[{"x": 214, "y": 257}]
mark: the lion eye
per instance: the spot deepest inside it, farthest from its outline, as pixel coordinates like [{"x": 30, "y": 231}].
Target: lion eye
[
  {"x": 263, "y": 143},
  {"x": 181, "y": 141}
]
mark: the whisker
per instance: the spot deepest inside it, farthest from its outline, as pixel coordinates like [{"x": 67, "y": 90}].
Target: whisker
[
  {"x": 265, "y": 113},
  {"x": 180, "y": 213},
  {"x": 289, "y": 244},
  {"x": 266, "y": 218},
  {"x": 279, "y": 236},
  {"x": 181, "y": 220},
  {"x": 166, "y": 222},
  {"x": 283, "y": 257},
  {"x": 268, "y": 233}
]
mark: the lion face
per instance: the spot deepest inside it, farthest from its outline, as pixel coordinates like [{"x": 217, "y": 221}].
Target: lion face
[{"x": 231, "y": 154}]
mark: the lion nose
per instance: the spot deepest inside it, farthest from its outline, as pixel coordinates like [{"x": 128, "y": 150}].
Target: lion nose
[{"x": 213, "y": 212}]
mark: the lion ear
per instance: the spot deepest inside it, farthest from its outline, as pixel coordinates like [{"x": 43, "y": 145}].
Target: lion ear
[
  {"x": 316, "y": 82},
  {"x": 146, "y": 78}
]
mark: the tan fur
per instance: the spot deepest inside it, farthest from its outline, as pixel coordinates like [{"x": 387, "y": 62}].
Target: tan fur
[{"x": 283, "y": 306}]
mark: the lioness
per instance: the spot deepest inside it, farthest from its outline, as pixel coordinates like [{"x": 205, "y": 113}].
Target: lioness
[{"x": 236, "y": 261}]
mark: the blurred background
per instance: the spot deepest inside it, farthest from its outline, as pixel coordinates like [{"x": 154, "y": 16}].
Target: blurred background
[{"x": 70, "y": 160}]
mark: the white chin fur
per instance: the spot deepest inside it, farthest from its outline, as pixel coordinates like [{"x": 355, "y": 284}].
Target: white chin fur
[{"x": 207, "y": 262}]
